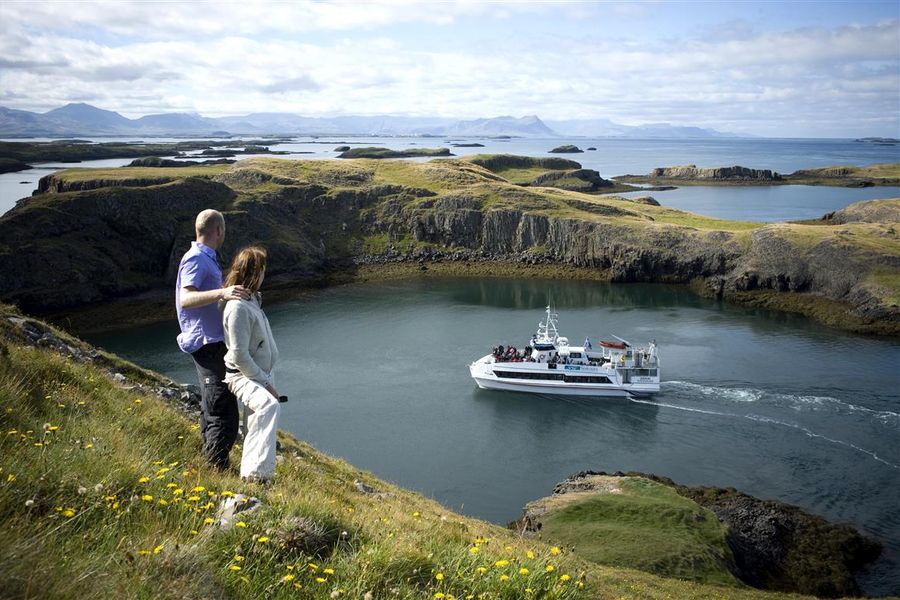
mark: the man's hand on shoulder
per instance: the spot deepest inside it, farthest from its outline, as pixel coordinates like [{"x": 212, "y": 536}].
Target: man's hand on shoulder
[{"x": 235, "y": 292}]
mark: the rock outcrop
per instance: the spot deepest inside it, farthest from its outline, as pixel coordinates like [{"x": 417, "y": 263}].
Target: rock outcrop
[
  {"x": 776, "y": 546},
  {"x": 579, "y": 180},
  {"x": 566, "y": 149},
  {"x": 735, "y": 173}
]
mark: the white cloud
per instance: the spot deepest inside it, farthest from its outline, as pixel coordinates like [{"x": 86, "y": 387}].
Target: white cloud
[{"x": 236, "y": 58}]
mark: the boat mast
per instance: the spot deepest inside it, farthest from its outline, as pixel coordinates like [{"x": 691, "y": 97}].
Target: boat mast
[{"x": 547, "y": 329}]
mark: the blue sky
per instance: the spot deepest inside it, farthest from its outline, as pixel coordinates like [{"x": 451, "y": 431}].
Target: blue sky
[{"x": 805, "y": 69}]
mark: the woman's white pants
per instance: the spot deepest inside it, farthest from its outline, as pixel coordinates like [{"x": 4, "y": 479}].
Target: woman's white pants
[{"x": 261, "y": 414}]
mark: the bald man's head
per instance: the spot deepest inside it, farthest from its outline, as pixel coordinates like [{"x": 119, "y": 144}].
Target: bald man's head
[{"x": 207, "y": 221}]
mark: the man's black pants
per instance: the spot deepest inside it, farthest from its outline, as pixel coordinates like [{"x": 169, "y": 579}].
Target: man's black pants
[{"x": 219, "y": 417}]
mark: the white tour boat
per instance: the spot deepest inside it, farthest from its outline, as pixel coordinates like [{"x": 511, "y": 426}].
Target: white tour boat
[{"x": 549, "y": 365}]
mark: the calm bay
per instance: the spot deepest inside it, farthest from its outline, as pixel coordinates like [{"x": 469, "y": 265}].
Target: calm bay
[{"x": 772, "y": 404}]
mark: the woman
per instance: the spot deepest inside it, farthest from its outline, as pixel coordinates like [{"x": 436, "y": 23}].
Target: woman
[{"x": 251, "y": 355}]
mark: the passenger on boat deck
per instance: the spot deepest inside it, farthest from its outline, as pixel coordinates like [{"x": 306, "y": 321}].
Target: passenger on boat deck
[{"x": 587, "y": 343}]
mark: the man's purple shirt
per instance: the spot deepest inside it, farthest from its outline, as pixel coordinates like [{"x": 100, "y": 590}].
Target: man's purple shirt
[{"x": 199, "y": 326}]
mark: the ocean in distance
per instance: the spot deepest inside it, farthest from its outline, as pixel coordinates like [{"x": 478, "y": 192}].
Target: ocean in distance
[
  {"x": 619, "y": 157},
  {"x": 770, "y": 403}
]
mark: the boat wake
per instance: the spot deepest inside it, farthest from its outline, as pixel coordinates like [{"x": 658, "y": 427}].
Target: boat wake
[
  {"x": 795, "y": 402},
  {"x": 748, "y": 395}
]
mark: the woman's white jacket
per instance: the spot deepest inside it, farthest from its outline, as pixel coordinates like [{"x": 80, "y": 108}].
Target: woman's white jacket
[{"x": 251, "y": 347}]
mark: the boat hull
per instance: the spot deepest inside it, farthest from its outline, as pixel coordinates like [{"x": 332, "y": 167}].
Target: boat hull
[{"x": 482, "y": 373}]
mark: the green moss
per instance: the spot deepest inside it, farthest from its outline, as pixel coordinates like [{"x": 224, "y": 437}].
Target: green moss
[
  {"x": 645, "y": 526},
  {"x": 884, "y": 283},
  {"x": 141, "y": 173}
]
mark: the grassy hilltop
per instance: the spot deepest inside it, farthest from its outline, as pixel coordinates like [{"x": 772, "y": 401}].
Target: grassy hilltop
[
  {"x": 102, "y": 494},
  {"x": 324, "y": 219}
]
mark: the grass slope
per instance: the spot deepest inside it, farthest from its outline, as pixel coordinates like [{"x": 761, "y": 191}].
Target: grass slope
[
  {"x": 642, "y": 525},
  {"x": 102, "y": 494}
]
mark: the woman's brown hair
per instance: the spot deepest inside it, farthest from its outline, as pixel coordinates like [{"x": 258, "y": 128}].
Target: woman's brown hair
[{"x": 248, "y": 268}]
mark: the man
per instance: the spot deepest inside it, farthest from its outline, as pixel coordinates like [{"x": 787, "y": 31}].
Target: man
[{"x": 197, "y": 292}]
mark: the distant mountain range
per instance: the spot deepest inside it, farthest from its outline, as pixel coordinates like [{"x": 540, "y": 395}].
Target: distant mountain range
[{"x": 86, "y": 120}]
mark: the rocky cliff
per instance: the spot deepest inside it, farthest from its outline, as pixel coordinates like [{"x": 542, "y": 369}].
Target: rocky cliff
[
  {"x": 717, "y": 173},
  {"x": 772, "y": 545},
  {"x": 68, "y": 248}
]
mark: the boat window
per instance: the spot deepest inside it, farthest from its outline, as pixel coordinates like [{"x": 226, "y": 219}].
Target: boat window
[
  {"x": 586, "y": 379},
  {"x": 543, "y": 347},
  {"x": 525, "y": 375},
  {"x": 575, "y": 354},
  {"x": 650, "y": 372}
]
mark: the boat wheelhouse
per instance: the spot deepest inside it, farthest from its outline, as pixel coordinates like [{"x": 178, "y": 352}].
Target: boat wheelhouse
[{"x": 550, "y": 365}]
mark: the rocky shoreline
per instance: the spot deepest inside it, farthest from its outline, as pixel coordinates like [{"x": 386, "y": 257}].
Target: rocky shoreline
[
  {"x": 323, "y": 221},
  {"x": 775, "y": 546},
  {"x": 839, "y": 176}
]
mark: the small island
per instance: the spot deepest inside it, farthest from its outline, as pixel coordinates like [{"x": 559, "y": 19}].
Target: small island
[
  {"x": 376, "y": 152},
  {"x": 566, "y": 149},
  {"x": 838, "y": 176}
]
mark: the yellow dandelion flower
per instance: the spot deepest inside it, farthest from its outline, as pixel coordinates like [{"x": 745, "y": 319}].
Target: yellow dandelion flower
[
  {"x": 171, "y": 485},
  {"x": 416, "y": 515},
  {"x": 115, "y": 505},
  {"x": 240, "y": 524},
  {"x": 481, "y": 570},
  {"x": 328, "y": 571},
  {"x": 163, "y": 471},
  {"x": 138, "y": 401},
  {"x": 473, "y": 550},
  {"x": 555, "y": 551},
  {"x": 12, "y": 432},
  {"x": 501, "y": 563},
  {"x": 439, "y": 576},
  {"x": 193, "y": 498},
  {"x": 162, "y": 502},
  {"x": 313, "y": 566},
  {"x": 227, "y": 494},
  {"x": 238, "y": 558},
  {"x": 529, "y": 591},
  {"x": 504, "y": 578},
  {"x": 297, "y": 585},
  {"x": 38, "y": 444},
  {"x": 178, "y": 491},
  {"x": 564, "y": 577},
  {"x": 263, "y": 539},
  {"x": 53, "y": 428},
  {"x": 530, "y": 554},
  {"x": 321, "y": 580},
  {"x": 68, "y": 513},
  {"x": 143, "y": 480},
  {"x": 287, "y": 578},
  {"x": 523, "y": 571},
  {"x": 158, "y": 549},
  {"x": 147, "y": 498},
  {"x": 144, "y": 552},
  {"x": 208, "y": 521},
  {"x": 194, "y": 532},
  {"x": 439, "y": 595},
  {"x": 88, "y": 446},
  {"x": 199, "y": 488},
  {"x": 580, "y": 585},
  {"x": 10, "y": 478},
  {"x": 234, "y": 568}
]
